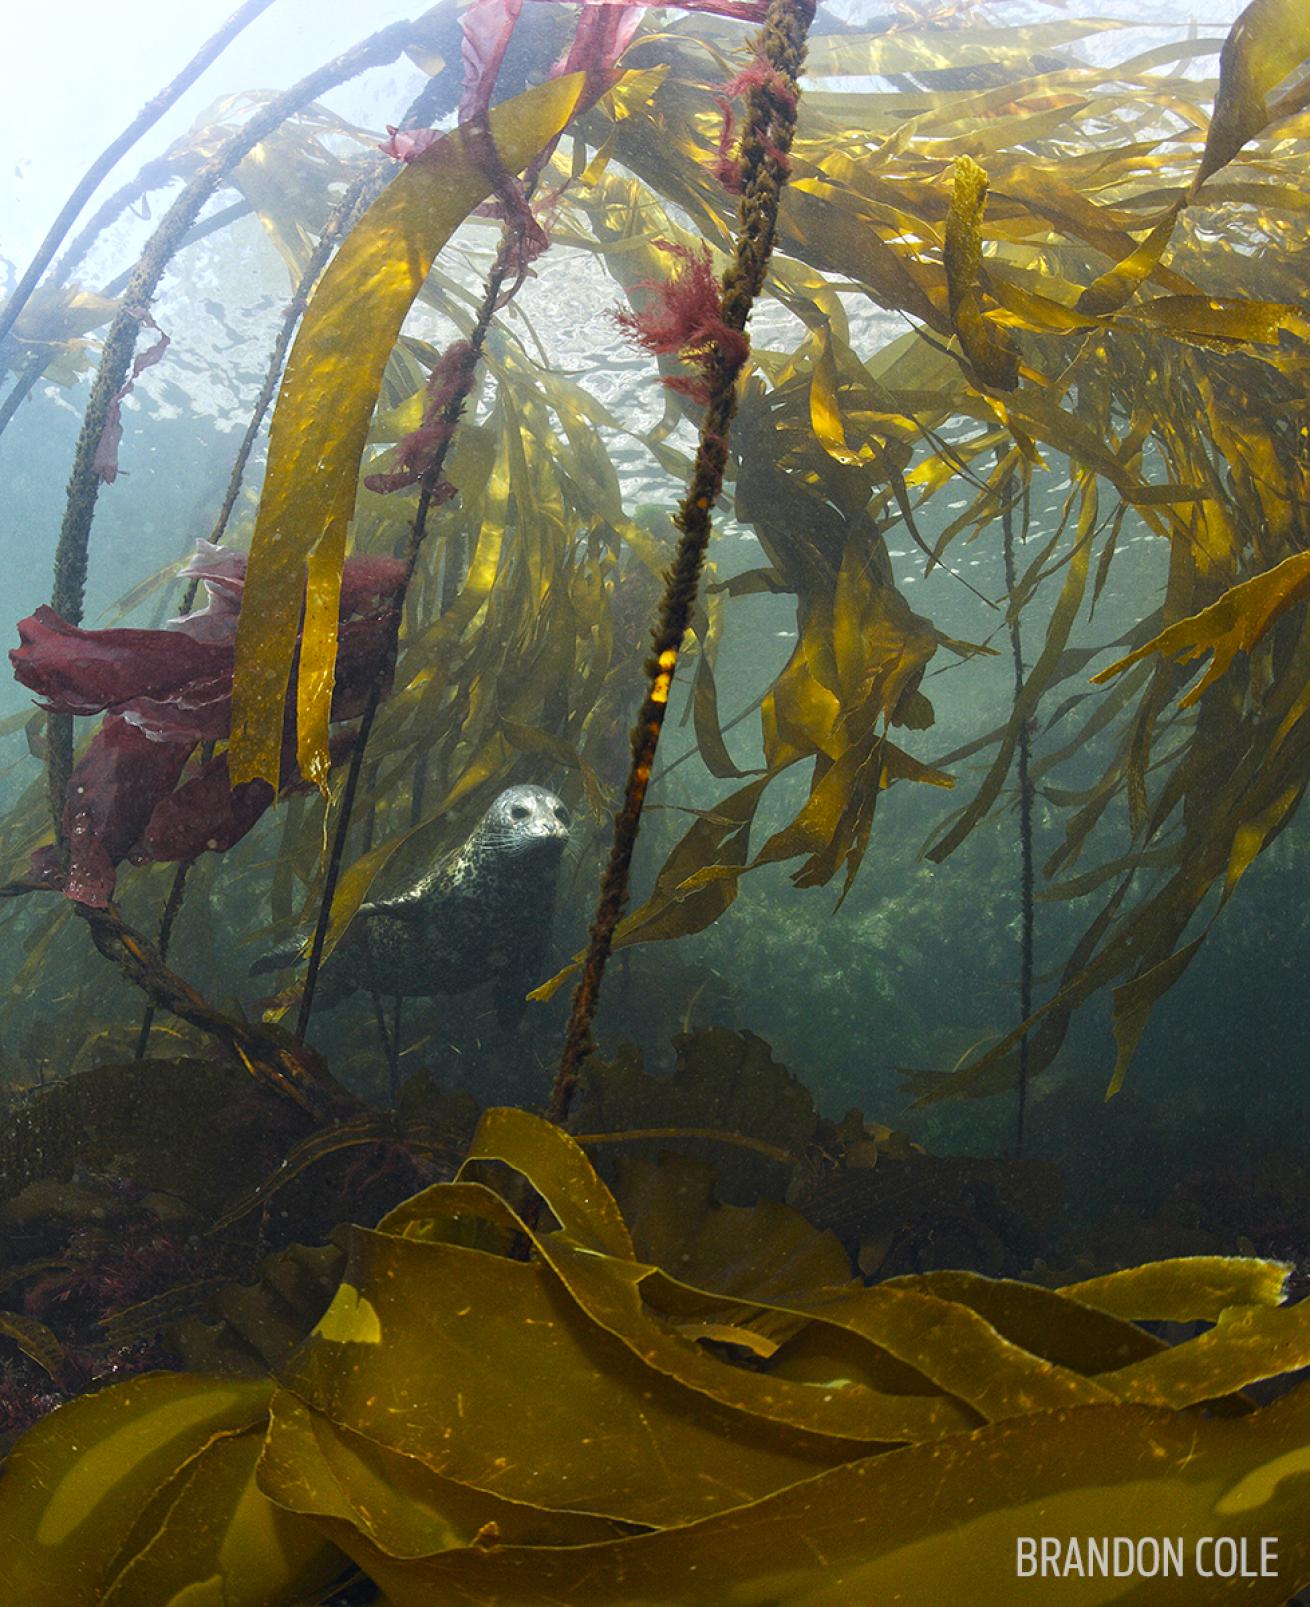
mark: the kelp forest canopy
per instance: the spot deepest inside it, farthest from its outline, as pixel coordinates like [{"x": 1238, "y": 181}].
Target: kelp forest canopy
[{"x": 1013, "y": 252}]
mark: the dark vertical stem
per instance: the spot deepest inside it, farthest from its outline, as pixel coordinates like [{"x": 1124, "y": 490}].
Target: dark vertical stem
[
  {"x": 454, "y": 563},
  {"x": 768, "y": 127},
  {"x": 419, "y": 787},
  {"x": 371, "y": 818},
  {"x": 24, "y": 382},
  {"x": 1025, "y": 823},
  {"x": 146, "y": 118}
]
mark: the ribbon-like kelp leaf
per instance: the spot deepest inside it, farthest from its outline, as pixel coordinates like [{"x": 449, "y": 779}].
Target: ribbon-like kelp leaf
[
  {"x": 348, "y": 1482},
  {"x": 1233, "y": 624},
  {"x": 1050, "y": 1324},
  {"x": 1246, "y": 1344},
  {"x": 1221, "y": 323},
  {"x": 916, "y": 50},
  {"x": 560, "y": 1172},
  {"x": 612, "y": 1292},
  {"x": 1108, "y": 293},
  {"x": 1134, "y": 1001},
  {"x": 396, "y": 1440},
  {"x": 434, "y": 1387},
  {"x": 219, "y": 1527},
  {"x": 943, "y": 1332},
  {"x": 321, "y": 422},
  {"x": 152, "y": 1480},
  {"x": 1190, "y": 1289},
  {"x": 908, "y": 1526}
]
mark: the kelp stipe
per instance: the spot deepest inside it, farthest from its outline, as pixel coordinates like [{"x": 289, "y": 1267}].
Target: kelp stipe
[{"x": 717, "y": 334}]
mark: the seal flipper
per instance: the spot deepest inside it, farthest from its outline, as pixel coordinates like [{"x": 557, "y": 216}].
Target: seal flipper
[{"x": 335, "y": 982}]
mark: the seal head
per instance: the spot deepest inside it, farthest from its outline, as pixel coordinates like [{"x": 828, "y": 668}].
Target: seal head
[{"x": 524, "y": 820}]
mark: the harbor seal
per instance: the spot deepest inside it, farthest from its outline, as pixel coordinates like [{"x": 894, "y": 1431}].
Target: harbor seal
[{"x": 481, "y": 913}]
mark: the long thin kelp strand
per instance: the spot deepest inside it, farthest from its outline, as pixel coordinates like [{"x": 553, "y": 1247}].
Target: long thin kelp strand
[
  {"x": 1025, "y": 832},
  {"x": 83, "y": 485},
  {"x": 357, "y": 197},
  {"x": 769, "y": 124},
  {"x": 146, "y": 118},
  {"x": 343, "y": 215},
  {"x": 156, "y": 174},
  {"x": 28, "y": 375},
  {"x": 452, "y": 575},
  {"x": 451, "y": 415}
]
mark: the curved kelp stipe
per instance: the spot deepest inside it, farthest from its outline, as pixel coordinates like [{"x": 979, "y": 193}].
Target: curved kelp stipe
[{"x": 321, "y": 422}]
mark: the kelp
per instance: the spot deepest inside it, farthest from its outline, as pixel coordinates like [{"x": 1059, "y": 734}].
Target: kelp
[
  {"x": 1129, "y": 302},
  {"x": 880, "y": 1441}
]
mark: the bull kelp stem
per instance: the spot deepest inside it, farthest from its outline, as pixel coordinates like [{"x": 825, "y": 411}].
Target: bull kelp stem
[{"x": 769, "y": 126}]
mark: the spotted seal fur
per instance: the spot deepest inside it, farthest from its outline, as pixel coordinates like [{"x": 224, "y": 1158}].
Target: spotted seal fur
[{"x": 481, "y": 913}]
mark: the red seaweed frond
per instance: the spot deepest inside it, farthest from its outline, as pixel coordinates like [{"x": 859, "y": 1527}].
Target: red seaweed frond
[
  {"x": 727, "y": 167},
  {"x": 686, "y": 316},
  {"x": 407, "y": 144},
  {"x": 759, "y": 75}
]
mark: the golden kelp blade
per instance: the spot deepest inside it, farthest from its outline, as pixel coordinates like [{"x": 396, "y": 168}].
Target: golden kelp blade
[
  {"x": 135, "y": 1492},
  {"x": 318, "y": 432},
  {"x": 1233, "y": 624}
]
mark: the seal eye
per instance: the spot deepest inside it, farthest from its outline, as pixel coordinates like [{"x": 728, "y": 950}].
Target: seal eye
[
  {"x": 562, "y": 815},
  {"x": 519, "y": 812}
]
